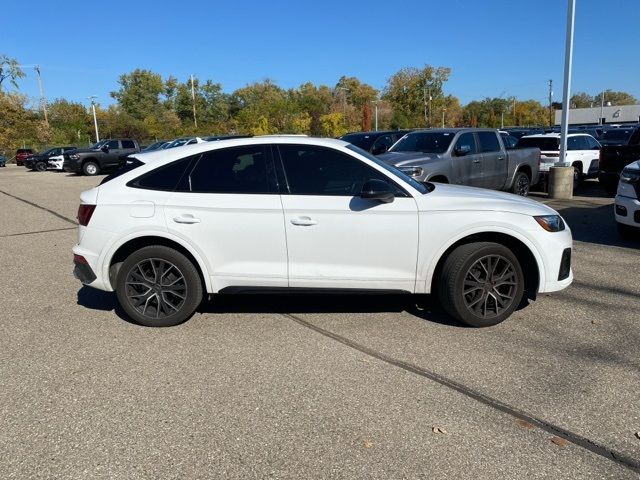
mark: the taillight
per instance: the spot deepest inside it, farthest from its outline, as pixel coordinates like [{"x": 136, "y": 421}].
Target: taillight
[
  {"x": 79, "y": 259},
  {"x": 84, "y": 213}
]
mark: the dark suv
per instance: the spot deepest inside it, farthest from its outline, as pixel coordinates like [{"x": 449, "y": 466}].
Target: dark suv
[
  {"x": 104, "y": 155},
  {"x": 374, "y": 142},
  {"x": 39, "y": 161}
]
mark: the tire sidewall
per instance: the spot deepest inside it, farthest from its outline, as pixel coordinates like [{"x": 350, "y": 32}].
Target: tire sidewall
[
  {"x": 85, "y": 168},
  {"x": 186, "y": 267},
  {"x": 516, "y": 182}
]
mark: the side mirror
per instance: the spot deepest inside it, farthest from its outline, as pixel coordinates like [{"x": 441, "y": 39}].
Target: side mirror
[
  {"x": 462, "y": 150},
  {"x": 377, "y": 190},
  {"x": 105, "y": 148}
]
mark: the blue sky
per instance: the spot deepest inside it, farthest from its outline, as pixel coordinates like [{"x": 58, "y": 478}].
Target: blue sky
[{"x": 494, "y": 47}]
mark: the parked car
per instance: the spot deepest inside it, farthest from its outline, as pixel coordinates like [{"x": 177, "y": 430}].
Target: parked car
[
  {"x": 3, "y": 161},
  {"x": 627, "y": 203},
  {"x": 583, "y": 153},
  {"x": 465, "y": 156},
  {"x": 374, "y": 142},
  {"x": 208, "y": 218},
  {"x": 521, "y": 132},
  {"x": 155, "y": 146},
  {"x": 40, "y": 161},
  {"x": 613, "y": 159},
  {"x": 104, "y": 155},
  {"x": 22, "y": 154},
  {"x": 179, "y": 142},
  {"x": 616, "y": 136}
]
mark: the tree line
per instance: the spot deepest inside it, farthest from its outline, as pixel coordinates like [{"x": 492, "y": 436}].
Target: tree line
[{"x": 148, "y": 107}]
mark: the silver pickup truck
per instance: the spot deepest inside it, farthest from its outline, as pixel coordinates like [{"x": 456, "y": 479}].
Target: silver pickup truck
[{"x": 465, "y": 156}]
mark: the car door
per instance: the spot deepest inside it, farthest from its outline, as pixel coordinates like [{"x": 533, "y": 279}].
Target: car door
[
  {"x": 112, "y": 156},
  {"x": 335, "y": 238},
  {"x": 591, "y": 155},
  {"x": 466, "y": 167},
  {"x": 228, "y": 206},
  {"x": 494, "y": 160}
]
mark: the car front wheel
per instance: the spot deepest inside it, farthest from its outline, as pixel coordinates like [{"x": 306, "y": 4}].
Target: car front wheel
[
  {"x": 158, "y": 286},
  {"x": 90, "y": 168},
  {"x": 481, "y": 284}
]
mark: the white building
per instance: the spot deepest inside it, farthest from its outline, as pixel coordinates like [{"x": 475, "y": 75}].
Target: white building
[{"x": 614, "y": 114}]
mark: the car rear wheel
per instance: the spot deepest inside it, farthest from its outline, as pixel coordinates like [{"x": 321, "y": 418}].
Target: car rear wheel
[
  {"x": 521, "y": 184},
  {"x": 90, "y": 168},
  {"x": 481, "y": 284},
  {"x": 158, "y": 286}
]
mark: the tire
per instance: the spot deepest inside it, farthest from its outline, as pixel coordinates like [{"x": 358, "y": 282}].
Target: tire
[
  {"x": 521, "y": 184},
  {"x": 479, "y": 307},
  {"x": 170, "y": 298},
  {"x": 90, "y": 168},
  {"x": 40, "y": 167},
  {"x": 577, "y": 178},
  {"x": 628, "y": 232}
]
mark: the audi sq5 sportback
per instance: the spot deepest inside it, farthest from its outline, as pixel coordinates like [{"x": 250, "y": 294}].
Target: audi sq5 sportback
[{"x": 294, "y": 213}]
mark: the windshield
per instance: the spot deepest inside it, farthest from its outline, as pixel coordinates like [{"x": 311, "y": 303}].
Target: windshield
[
  {"x": 425, "y": 142},
  {"x": 98, "y": 145},
  {"x": 420, "y": 187},
  {"x": 616, "y": 134},
  {"x": 543, "y": 143},
  {"x": 359, "y": 140}
]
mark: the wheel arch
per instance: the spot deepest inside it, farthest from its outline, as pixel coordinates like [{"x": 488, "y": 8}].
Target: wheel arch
[
  {"x": 438, "y": 178},
  {"x": 530, "y": 262},
  {"x": 119, "y": 252}
]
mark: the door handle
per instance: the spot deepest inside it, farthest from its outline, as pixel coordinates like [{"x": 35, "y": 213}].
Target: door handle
[
  {"x": 303, "y": 221},
  {"x": 186, "y": 218},
  {"x": 476, "y": 161},
  {"x": 500, "y": 158}
]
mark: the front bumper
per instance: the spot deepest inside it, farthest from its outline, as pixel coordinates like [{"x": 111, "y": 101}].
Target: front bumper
[{"x": 627, "y": 211}]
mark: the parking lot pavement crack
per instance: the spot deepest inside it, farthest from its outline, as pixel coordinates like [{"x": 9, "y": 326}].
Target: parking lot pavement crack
[
  {"x": 38, "y": 231},
  {"x": 62, "y": 217},
  {"x": 574, "y": 438}
]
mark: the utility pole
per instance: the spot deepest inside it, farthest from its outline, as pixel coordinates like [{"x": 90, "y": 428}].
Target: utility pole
[
  {"x": 43, "y": 100},
  {"x": 95, "y": 119},
  {"x": 375, "y": 102},
  {"x": 514, "y": 112},
  {"x": 601, "y": 107},
  {"x": 424, "y": 100},
  {"x": 502, "y": 119},
  {"x": 443, "y": 112},
  {"x": 550, "y": 103},
  {"x": 566, "y": 88},
  {"x": 193, "y": 97}
]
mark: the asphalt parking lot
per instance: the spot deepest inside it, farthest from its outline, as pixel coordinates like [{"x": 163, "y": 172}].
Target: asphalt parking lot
[{"x": 311, "y": 386}]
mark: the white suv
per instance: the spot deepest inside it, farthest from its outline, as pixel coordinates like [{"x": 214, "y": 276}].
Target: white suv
[
  {"x": 583, "y": 153},
  {"x": 296, "y": 213},
  {"x": 627, "y": 204}
]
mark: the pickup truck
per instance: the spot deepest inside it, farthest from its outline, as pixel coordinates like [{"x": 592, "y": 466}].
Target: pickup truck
[
  {"x": 465, "y": 156},
  {"x": 104, "y": 155},
  {"x": 613, "y": 158}
]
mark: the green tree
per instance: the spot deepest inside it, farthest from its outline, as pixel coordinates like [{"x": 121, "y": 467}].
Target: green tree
[
  {"x": 140, "y": 93},
  {"x": 616, "y": 98},
  {"x": 581, "y": 100},
  {"x": 10, "y": 69}
]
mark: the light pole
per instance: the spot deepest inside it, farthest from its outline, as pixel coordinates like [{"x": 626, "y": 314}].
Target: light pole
[
  {"x": 43, "y": 100},
  {"x": 193, "y": 98},
  {"x": 566, "y": 88},
  {"x": 443, "y": 112},
  {"x": 375, "y": 103},
  {"x": 601, "y": 107},
  {"x": 95, "y": 119}
]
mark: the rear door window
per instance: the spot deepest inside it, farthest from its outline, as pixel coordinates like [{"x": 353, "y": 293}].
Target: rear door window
[
  {"x": 488, "y": 142},
  {"x": 128, "y": 144},
  {"x": 164, "y": 178}
]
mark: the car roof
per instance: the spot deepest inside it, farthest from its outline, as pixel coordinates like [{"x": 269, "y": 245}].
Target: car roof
[
  {"x": 196, "y": 148},
  {"x": 556, "y": 135}
]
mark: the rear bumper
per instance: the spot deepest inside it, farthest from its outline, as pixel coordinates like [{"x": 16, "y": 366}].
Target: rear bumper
[{"x": 82, "y": 270}]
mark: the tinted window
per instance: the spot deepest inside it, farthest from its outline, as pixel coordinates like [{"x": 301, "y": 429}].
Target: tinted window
[
  {"x": 113, "y": 145},
  {"x": 131, "y": 164},
  {"x": 593, "y": 144},
  {"x": 543, "y": 143},
  {"x": 467, "y": 139},
  {"x": 128, "y": 144},
  {"x": 426, "y": 142},
  {"x": 313, "y": 170},
  {"x": 162, "y": 178},
  {"x": 231, "y": 170},
  {"x": 488, "y": 142},
  {"x": 361, "y": 140},
  {"x": 617, "y": 134},
  {"x": 577, "y": 143}
]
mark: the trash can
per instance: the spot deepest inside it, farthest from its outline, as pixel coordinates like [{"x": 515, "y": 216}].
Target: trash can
[{"x": 561, "y": 181}]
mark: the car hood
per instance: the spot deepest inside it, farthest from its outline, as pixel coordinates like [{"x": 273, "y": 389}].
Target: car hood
[
  {"x": 407, "y": 159},
  {"x": 446, "y": 197}
]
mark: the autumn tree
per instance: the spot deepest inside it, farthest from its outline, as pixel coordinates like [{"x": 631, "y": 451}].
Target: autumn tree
[{"x": 10, "y": 70}]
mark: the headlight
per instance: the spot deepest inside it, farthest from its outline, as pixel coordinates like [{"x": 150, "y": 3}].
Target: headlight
[
  {"x": 411, "y": 171},
  {"x": 74, "y": 156},
  {"x": 630, "y": 175},
  {"x": 551, "y": 223}
]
